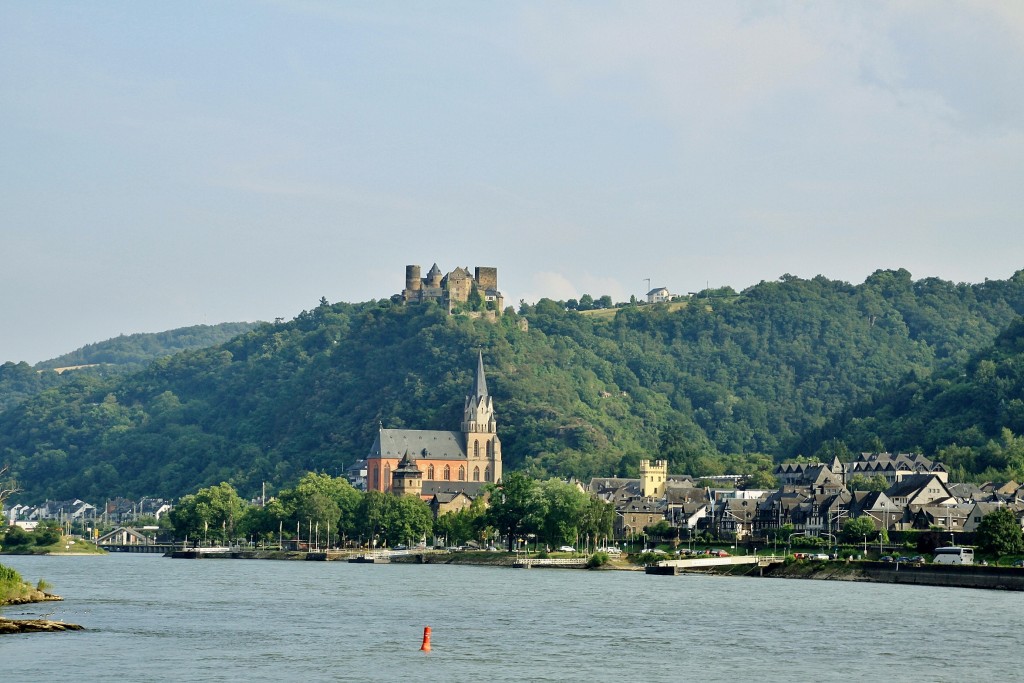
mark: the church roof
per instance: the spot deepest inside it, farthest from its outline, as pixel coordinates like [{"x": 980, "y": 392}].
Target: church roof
[
  {"x": 449, "y": 489},
  {"x": 419, "y": 443}
]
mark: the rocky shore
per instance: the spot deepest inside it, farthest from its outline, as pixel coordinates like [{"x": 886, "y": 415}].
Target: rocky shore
[{"x": 34, "y": 625}]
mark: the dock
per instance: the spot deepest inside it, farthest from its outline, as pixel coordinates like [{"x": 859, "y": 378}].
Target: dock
[{"x": 682, "y": 566}]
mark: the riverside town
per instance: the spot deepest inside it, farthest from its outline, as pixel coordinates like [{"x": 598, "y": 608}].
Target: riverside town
[{"x": 427, "y": 491}]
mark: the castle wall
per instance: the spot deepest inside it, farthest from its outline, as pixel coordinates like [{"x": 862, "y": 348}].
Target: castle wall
[{"x": 486, "y": 277}]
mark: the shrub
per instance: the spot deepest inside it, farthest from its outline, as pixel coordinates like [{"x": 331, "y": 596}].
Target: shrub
[
  {"x": 597, "y": 560},
  {"x": 16, "y": 537},
  {"x": 42, "y": 585},
  {"x": 47, "y": 535},
  {"x": 647, "y": 558}
]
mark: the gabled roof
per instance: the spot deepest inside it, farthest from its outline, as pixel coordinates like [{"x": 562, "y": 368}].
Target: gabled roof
[{"x": 910, "y": 484}]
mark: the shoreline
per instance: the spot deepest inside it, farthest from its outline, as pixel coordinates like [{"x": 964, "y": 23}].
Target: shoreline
[{"x": 12, "y": 626}]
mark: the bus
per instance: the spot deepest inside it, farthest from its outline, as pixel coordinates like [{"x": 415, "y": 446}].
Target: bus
[{"x": 954, "y": 555}]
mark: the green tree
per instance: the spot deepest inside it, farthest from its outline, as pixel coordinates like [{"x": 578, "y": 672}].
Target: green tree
[
  {"x": 16, "y": 537},
  {"x": 761, "y": 479},
  {"x": 517, "y": 507},
  {"x": 212, "y": 512},
  {"x": 859, "y": 482},
  {"x": 854, "y": 530},
  {"x": 999, "y": 532},
  {"x": 412, "y": 521},
  {"x": 564, "y": 509}
]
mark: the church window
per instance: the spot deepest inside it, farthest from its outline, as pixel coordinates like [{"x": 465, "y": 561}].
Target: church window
[
  {"x": 487, "y": 474},
  {"x": 490, "y": 448},
  {"x": 462, "y": 473},
  {"x": 476, "y": 474},
  {"x": 374, "y": 477},
  {"x": 387, "y": 477},
  {"x": 447, "y": 473},
  {"x": 430, "y": 472},
  {"x": 476, "y": 448}
]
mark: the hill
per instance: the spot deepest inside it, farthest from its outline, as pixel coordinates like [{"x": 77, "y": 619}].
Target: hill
[
  {"x": 125, "y": 353},
  {"x": 726, "y": 386},
  {"x": 971, "y": 417}
]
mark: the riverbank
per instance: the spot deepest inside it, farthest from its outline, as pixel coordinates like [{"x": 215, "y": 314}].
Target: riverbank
[
  {"x": 951, "y": 576},
  {"x": 32, "y": 595}
]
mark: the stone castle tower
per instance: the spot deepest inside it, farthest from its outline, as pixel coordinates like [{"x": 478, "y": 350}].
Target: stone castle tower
[
  {"x": 653, "y": 477},
  {"x": 453, "y": 288},
  {"x": 483, "y": 449},
  {"x": 407, "y": 479}
]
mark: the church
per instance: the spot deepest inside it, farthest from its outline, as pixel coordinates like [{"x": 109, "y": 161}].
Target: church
[{"x": 446, "y": 461}]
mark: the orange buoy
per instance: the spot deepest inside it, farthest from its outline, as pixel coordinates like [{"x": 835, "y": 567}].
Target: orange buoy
[{"x": 425, "y": 647}]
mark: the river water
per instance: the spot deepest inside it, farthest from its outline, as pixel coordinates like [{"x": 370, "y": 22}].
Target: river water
[{"x": 151, "y": 618}]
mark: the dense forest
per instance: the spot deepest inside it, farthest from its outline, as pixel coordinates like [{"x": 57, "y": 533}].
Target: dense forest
[
  {"x": 970, "y": 416},
  {"x": 728, "y": 383},
  {"x": 126, "y": 353}
]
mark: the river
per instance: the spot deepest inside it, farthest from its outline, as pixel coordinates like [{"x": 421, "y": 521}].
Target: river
[{"x": 151, "y": 618}]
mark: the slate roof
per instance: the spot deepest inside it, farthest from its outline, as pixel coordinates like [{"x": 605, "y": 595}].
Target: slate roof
[
  {"x": 420, "y": 443},
  {"x": 449, "y": 489}
]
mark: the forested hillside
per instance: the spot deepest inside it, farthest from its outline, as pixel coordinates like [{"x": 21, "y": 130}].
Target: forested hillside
[
  {"x": 714, "y": 385},
  {"x": 126, "y": 353},
  {"x": 970, "y": 417}
]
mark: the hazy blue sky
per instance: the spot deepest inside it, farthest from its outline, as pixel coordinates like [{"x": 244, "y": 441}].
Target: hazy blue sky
[{"x": 169, "y": 164}]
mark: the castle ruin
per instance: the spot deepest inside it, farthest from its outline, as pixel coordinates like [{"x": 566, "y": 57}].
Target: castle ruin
[{"x": 454, "y": 288}]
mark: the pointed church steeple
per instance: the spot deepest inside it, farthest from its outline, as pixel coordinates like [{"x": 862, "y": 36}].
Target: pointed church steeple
[{"x": 480, "y": 386}]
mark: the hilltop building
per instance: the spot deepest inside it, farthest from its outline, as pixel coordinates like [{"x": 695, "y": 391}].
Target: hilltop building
[
  {"x": 428, "y": 463},
  {"x": 454, "y": 288},
  {"x": 659, "y": 295}
]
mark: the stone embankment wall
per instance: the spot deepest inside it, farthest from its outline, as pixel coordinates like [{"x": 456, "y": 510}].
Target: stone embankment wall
[{"x": 959, "y": 576}]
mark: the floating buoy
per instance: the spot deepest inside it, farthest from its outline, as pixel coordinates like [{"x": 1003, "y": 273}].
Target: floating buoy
[{"x": 425, "y": 647}]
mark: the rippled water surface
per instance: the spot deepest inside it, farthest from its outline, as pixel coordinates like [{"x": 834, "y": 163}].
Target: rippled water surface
[{"x": 154, "y": 619}]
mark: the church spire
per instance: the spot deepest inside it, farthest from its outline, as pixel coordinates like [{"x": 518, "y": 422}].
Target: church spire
[{"x": 480, "y": 386}]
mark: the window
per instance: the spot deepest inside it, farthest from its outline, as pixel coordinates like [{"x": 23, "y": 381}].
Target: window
[
  {"x": 462, "y": 473},
  {"x": 476, "y": 474},
  {"x": 387, "y": 476},
  {"x": 476, "y": 448},
  {"x": 430, "y": 472},
  {"x": 447, "y": 473},
  {"x": 487, "y": 474},
  {"x": 490, "y": 448}
]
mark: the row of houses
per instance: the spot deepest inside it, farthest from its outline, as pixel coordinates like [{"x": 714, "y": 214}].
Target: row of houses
[
  {"x": 113, "y": 511},
  {"x": 812, "y": 500}
]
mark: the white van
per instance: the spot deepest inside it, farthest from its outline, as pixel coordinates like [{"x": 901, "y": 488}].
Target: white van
[{"x": 954, "y": 555}]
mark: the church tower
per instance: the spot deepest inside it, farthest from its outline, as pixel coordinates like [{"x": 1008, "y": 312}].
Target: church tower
[
  {"x": 483, "y": 449},
  {"x": 407, "y": 479}
]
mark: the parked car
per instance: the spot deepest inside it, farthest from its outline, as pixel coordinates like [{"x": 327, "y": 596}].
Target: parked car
[
  {"x": 1019, "y": 563},
  {"x": 610, "y": 549},
  {"x": 918, "y": 559},
  {"x": 819, "y": 556},
  {"x": 886, "y": 558},
  {"x": 566, "y": 549}
]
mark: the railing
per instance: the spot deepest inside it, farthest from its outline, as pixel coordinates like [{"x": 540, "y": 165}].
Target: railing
[{"x": 551, "y": 562}]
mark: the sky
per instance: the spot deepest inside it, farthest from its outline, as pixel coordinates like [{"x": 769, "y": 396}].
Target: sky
[{"x": 184, "y": 163}]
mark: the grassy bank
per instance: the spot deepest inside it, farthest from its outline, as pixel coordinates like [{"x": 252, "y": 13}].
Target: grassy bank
[{"x": 66, "y": 545}]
